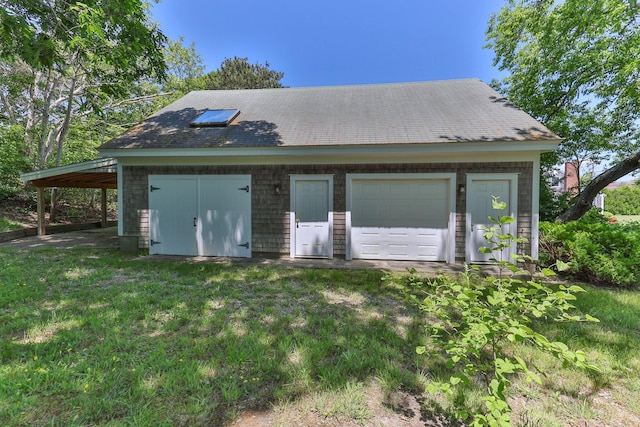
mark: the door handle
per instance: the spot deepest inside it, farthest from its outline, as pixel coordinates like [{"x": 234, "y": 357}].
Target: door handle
[
  {"x": 297, "y": 222},
  {"x": 195, "y": 222}
]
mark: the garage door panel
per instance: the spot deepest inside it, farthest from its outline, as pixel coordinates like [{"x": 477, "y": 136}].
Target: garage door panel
[
  {"x": 403, "y": 219},
  {"x": 399, "y": 243}
]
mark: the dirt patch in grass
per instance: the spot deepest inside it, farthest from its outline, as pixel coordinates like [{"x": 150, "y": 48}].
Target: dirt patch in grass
[
  {"x": 366, "y": 406},
  {"x": 613, "y": 410}
]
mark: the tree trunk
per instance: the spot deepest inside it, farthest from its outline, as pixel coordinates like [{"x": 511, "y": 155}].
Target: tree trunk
[
  {"x": 62, "y": 132},
  {"x": 584, "y": 200},
  {"x": 54, "y": 202}
]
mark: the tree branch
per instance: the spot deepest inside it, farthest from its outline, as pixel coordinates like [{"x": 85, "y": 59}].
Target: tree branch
[{"x": 584, "y": 201}]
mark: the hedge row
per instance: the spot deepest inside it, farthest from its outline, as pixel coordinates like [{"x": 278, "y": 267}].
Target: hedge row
[{"x": 597, "y": 251}]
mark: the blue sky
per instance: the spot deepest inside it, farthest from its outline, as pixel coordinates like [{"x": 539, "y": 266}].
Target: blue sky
[{"x": 340, "y": 42}]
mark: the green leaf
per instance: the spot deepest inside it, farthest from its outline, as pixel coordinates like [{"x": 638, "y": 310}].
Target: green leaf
[
  {"x": 521, "y": 362},
  {"x": 531, "y": 376},
  {"x": 571, "y": 317},
  {"x": 591, "y": 318},
  {"x": 434, "y": 388},
  {"x": 534, "y": 284},
  {"x": 560, "y": 345},
  {"x": 562, "y": 266},
  {"x": 513, "y": 268},
  {"x": 496, "y": 204},
  {"x": 505, "y": 366},
  {"x": 548, "y": 272},
  {"x": 507, "y": 219}
]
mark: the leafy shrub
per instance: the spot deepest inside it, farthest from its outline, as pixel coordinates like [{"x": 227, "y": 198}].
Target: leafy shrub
[
  {"x": 598, "y": 251},
  {"x": 475, "y": 318},
  {"x": 12, "y": 161},
  {"x": 8, "y": 225},
  {"x": 7, "y": 191},
  {"x": 552, "y": 204},
  {"x": 624, "y": 200}
]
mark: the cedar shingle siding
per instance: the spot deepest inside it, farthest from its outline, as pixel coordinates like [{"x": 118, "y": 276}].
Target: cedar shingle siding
[{"x": 270, "y": 211}]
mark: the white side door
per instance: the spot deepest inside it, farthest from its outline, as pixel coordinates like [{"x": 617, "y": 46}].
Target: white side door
[
  {"x": 172, "y": 214},
  {"x": 224, "y": 219},
  {"x": 480, "y": 194},
  {"x": 311, "y": 211}
]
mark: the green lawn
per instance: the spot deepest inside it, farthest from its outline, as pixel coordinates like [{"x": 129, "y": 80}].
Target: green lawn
[
  {"x": 626, "y": 219},
  {"x": 95, "y": 337}
]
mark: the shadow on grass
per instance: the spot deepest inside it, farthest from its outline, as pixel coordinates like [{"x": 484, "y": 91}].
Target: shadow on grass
[
  {"x": 616, "y": 333},
  {"x": 96, "y": 336}
]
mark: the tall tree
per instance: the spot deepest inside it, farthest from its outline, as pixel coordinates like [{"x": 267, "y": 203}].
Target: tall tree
[
  {"x": 238, "y": 73},
  {"x": 575, "y": 66},
  {"x": 64, "y": 59},
  {"x": 45, "y": 34},
  {"x": 185, "y": 67}
]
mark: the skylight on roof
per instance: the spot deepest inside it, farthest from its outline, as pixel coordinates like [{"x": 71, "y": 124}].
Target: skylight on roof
[{"x": 215, "y": 118}]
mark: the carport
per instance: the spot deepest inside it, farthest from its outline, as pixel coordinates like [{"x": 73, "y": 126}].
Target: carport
[{"x": 99, "y": 173}]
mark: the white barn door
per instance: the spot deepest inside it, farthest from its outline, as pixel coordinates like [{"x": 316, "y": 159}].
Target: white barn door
[
  {"x": 208, "y": 215},
  {"x": 173, "y": 208},
  {"x": 224, "y": 219}
]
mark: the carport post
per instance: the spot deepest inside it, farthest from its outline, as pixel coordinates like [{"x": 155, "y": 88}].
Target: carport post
[
  {"x": 41, "y": 228},
  {"x": 104, "y": 207}
]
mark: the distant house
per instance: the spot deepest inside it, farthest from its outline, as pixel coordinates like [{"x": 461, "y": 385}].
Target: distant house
[
  {"x": 392, "y": 171},
  {"x": 572, "y": 178}
]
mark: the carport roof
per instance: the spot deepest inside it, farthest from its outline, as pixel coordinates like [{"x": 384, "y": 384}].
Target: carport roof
[{"x": 99, "y": 173}]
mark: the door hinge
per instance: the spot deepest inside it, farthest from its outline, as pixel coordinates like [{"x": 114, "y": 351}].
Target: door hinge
[
  {"x": 244, "y": 188},
  {"x": 153, "y": 242},
  {"x": 154, "y": 188},
  {"x": 246, "y": 245}
]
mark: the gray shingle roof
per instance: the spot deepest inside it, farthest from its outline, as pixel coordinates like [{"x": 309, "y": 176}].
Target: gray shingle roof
[{"x": 399, "y": 113}]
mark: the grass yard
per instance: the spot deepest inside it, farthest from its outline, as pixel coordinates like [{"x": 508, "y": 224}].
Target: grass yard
[
  {"x": 627, "y": 219},
  {"x": 96, "y": 337}
]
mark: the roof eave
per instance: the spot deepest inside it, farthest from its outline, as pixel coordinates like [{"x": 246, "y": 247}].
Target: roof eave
[
  {"x": 312, "y": 150},
  {"x": 96, "y": 173},
  {"x": 75, "y": 167}
]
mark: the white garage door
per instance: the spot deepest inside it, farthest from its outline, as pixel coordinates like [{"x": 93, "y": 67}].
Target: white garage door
[
  {"x": 207, "y": 215},
  {"x": 400, "y": 219}
]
